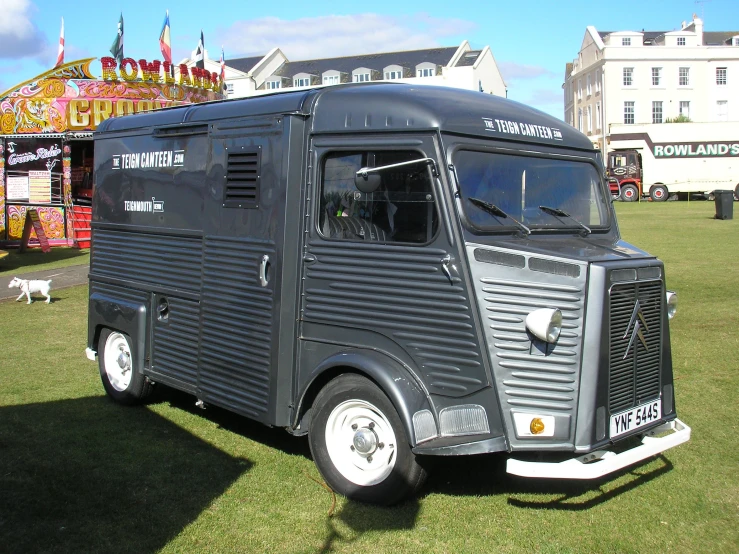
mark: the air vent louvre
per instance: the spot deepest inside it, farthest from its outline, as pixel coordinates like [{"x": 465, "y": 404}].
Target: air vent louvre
[{"x": 242, "y": 179}]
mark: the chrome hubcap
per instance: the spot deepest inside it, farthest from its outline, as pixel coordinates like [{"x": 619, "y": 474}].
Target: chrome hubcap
[{"x": 365, "y": 441}]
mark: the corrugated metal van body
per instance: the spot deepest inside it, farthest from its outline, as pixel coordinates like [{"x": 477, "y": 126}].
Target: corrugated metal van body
[
  {"x": 532, "y": 376},
  {"x": 399, "y": 294},
  {"x": 166, "y": 226}
]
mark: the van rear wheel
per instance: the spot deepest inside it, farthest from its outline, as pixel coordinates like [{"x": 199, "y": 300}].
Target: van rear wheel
[
  {"x": 122, "y": 380},
  {"x": 359, "y": 444},
  {"x": 629, "y": 193},
  {"x": 658, "y": 193}
]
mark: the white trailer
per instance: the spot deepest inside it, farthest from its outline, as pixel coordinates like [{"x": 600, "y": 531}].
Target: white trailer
[{"x": 672, "y": 158}]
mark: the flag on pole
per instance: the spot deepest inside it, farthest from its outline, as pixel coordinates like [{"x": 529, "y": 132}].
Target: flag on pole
[
  {"x": 60, "y": 55},
  {"x": 223, "y": 67},
  {"x": 117, "y": 48},
  {"x": 200, "y": 52},
  {"x": 164, "y": 43}
]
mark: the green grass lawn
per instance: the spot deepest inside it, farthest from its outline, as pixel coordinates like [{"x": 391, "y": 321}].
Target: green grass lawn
[
  {"x": 34, "y": 259},
  {"x": 81, "y": 474}
]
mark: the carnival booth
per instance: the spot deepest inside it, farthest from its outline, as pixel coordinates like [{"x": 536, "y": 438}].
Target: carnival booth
[{"x": 46, "y": 129}]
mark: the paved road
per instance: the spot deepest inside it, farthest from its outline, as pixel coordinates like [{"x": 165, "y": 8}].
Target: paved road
[{"x": 60, "y": 278}]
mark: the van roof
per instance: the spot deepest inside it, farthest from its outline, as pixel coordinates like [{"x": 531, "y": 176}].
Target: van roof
[{"x": 375, "y": 107}]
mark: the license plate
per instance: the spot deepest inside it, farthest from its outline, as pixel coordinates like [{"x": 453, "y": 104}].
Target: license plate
[{"x": 634, "y": 418}]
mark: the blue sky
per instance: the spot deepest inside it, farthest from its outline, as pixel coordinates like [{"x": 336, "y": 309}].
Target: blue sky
[{"x": 532, "y": 40}]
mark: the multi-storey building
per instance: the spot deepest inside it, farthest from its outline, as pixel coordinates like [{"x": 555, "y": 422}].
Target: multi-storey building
[
  {"x": 456, "y": 66},
  {"x": 652, "y": 77}
]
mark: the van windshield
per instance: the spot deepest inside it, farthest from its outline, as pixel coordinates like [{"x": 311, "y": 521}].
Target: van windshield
[{"x": 541, "y": 193}]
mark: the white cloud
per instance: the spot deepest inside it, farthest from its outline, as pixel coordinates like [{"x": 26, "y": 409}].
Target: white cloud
[
  {"x": 338, "y": 35},
  {"x": 19, "y": 35}
]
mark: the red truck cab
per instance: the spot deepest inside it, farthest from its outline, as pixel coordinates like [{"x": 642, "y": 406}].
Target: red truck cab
[{"x": 624, "y": 172}]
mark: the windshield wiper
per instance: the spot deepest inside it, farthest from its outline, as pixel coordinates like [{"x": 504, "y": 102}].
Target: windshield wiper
[
  {"x": 496, "y": 211},
  {"x": 561, "y": 213}
]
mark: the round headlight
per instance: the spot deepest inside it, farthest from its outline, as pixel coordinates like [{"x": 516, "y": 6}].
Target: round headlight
[
  {"x": 671, "y": 303},
  {"x": 545, "y": 324}
]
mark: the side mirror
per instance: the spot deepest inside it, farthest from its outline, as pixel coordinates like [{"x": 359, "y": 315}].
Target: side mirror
[{"x": 367, "y": 182}]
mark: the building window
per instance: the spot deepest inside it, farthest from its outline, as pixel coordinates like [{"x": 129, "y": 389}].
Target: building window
[
  {"x": 331, "y": 80},
  {"x": 229, "y": 88},
  {"x": 628, "y": 76},
  {"x": 657, "y": 112},
  {"x": 579, "y": 89},
  {"x": 681, "y": 41},
  {"x": 271, "y": 85},
  {"x": 579, "y": 119},
  {"x": 684, "y": 79},
  {"x": 626, "y": 41},
  {"x": 656, "y": 76},
  {"x": 598, "y": 115},
  {"x": 722, "y": 110},
  {"x": 361, "y": 77},
  {"x": 302, "y": 82},
  {"x": 390, "y": 75},
  {"x": 597, "y": 81},
  {"x": 589, "y": 85},
  {"x": 425, "y": 72},
  {"x": 720, "y": 75},
  {"x": 629, "y": 113},
  {"x": 685, "y": 108},
  {"x": 589, "y": 116}
]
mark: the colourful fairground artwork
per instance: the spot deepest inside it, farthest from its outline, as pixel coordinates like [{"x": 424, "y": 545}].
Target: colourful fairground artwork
[{"x": 46, "y": 126}]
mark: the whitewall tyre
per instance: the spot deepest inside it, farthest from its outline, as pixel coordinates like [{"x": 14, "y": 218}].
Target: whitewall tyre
[
  {"x": 359, "y": 444},
  {"x": 122, "y": 380}
]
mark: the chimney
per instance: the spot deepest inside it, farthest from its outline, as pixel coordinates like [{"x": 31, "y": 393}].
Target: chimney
[{"x": 698, "y": 26}]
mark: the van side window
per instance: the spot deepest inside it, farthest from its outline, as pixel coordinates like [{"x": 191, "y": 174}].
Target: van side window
[{"x": 402, "y": 209}]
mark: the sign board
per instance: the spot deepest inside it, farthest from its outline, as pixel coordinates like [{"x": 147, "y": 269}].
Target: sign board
[
  {"x": 17, "y": 188},
  {"x": 34, "y": 222},
  {"x": 39, "y": 185}
]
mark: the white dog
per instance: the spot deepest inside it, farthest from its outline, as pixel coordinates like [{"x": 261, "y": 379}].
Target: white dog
[{"x": 27, "y": 287}]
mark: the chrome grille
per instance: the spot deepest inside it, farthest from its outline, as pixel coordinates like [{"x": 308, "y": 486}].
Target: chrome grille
[{"x": 635, "y": 349}]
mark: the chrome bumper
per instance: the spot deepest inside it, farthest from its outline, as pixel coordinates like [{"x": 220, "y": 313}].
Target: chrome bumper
[{"x": 602, "y": 462}]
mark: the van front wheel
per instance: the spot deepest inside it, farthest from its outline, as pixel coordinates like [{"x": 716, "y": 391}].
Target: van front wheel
[
  {"x": 359, "y": 444},
  {"x": 122, "y": 380}
]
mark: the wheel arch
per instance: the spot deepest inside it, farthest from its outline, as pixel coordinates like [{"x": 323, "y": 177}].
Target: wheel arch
[
  {"x": 120, "y": 315},
  {"x": 402, "y": 388}
]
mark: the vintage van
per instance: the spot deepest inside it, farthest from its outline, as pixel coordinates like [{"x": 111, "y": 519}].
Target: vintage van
[{"x": 396, "y": 271}]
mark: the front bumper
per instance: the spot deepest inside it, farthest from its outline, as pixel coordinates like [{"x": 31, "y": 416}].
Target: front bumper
[{"x": 602, "y": 462}]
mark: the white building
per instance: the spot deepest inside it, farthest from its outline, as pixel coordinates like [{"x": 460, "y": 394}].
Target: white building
[
  {"x": 460, "y": 67},
  {"x": 645, "y": 77}
]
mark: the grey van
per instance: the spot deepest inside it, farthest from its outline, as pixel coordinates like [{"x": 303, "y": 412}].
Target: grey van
[{"x": 396, "y": 271}]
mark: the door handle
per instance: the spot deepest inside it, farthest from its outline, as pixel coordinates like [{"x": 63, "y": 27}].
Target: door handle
[
  {"x": 264, "y": 270},
  {"x": 445, "y": 261}
]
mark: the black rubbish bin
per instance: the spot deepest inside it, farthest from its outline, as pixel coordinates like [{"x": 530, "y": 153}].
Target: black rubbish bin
[{"x": 724, "y": 204}]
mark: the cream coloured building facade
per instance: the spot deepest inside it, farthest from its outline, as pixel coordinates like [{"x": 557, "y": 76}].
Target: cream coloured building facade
[
  {"x": 650, "y": 77},
  {"x": 457, "y": 66}
]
